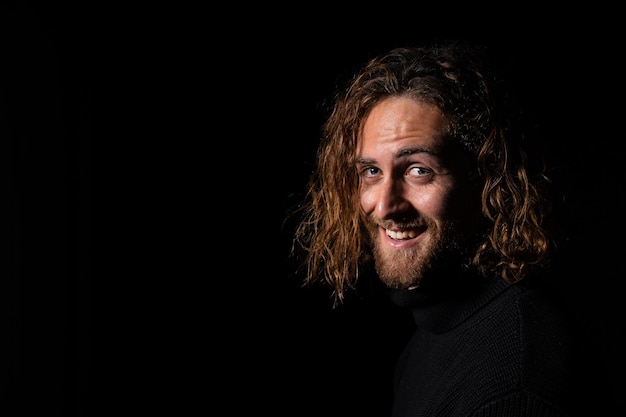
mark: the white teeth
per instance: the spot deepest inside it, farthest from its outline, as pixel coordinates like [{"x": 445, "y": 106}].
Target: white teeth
[{"x": 400, "y": 235}]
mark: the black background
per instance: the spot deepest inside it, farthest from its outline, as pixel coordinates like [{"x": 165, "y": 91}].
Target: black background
[
  {"x": 181, "y": 137},
  {"x": 45, "y": 284}
]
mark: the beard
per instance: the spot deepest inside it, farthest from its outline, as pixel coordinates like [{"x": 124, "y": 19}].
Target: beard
[{"x": 444, "y": 251}]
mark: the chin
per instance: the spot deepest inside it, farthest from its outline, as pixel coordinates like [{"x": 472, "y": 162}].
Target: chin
[{"x": 400, "y": 271}]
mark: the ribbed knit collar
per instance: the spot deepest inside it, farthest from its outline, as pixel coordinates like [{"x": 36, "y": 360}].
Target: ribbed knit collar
[{"x": 446, "y": 306}]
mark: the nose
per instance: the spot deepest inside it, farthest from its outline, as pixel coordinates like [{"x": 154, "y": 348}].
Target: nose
[{"x": 392, "y": 200}]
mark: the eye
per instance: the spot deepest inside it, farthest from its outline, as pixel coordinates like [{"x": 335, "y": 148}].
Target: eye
[
  {"x": 370, "y": 172},
  {"x": 419, "y": 171}
]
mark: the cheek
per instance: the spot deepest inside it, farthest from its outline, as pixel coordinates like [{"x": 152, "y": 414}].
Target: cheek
[
  {"x": 432, "y": 204},
  {"x": 367, "y": 200},
  {"x": 443, "y": 203}
]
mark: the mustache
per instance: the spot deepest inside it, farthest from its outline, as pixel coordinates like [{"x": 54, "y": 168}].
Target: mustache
[{"x": 400, "y": 222}]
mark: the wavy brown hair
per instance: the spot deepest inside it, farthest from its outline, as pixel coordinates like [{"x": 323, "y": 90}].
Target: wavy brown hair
[{"x": 455, "y": 77}]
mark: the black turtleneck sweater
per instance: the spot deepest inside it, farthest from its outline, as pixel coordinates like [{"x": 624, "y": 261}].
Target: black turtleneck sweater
[{"x": 492, "y": 349}]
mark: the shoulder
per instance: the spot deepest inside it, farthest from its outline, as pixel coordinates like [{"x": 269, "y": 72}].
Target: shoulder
[
  {"x": 557, "y": 353},
  {"x": 536, "y": 354},
  {"x": 543, "y": 316},
  {"x": 547, "y": 330}
]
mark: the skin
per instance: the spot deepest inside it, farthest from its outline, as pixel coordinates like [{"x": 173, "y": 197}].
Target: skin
[{"x": 417, "y": 201}]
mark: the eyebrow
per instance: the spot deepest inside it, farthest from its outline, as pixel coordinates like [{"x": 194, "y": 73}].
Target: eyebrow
[
  {"x": 401, "y": 153},
  {"x": 411, "y": 151}
]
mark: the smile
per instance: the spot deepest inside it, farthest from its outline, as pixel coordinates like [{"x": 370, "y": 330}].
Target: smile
[{"x": 400, "y": 234}]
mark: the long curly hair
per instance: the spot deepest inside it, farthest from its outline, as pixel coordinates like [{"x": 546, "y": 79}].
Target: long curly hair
[{"x": 455, "y": 77}]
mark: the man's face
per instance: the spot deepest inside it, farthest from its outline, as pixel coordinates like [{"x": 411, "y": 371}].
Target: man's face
[{"x": 415, "y": 193}]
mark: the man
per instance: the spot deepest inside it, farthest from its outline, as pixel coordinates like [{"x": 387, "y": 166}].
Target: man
[{"x": 422, "y": 178}]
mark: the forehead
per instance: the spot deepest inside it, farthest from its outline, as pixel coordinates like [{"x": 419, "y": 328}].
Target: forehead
[{"x": 402, "y": 121}]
